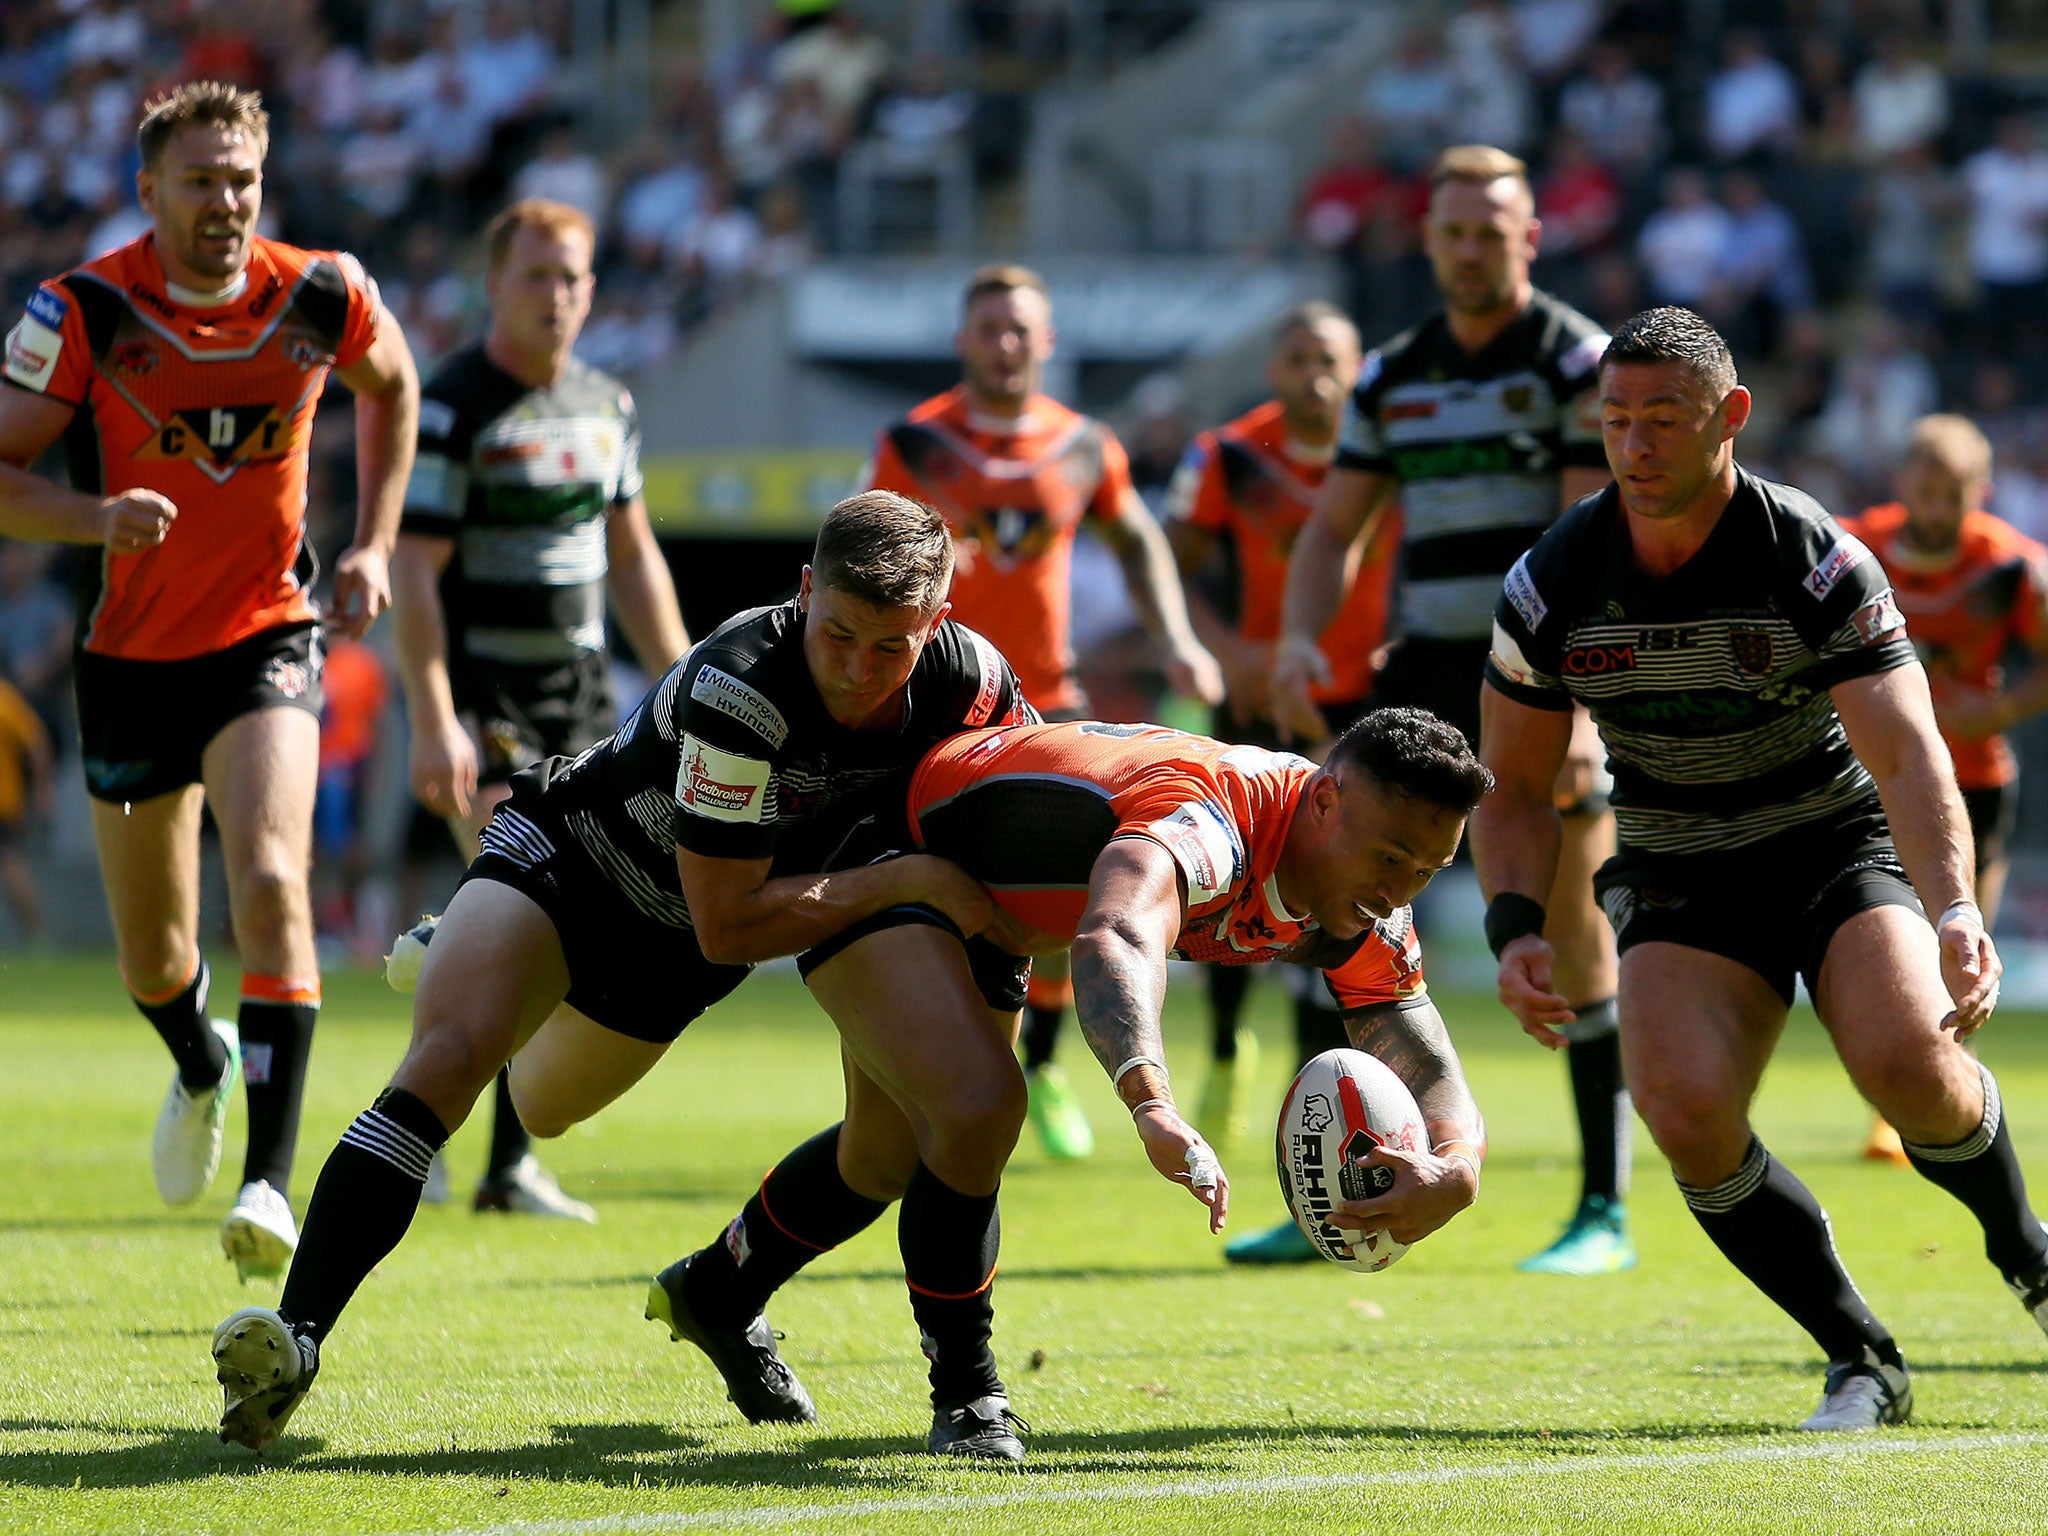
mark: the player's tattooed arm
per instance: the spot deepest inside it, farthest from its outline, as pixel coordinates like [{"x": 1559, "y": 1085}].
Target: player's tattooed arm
[
  {"x": 1133, "y": 917},
  {"x": 1410, "y": 1038}
]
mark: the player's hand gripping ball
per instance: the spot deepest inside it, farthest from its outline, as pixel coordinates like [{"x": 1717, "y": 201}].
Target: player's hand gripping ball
[{"x": 1341, "y": 1106}]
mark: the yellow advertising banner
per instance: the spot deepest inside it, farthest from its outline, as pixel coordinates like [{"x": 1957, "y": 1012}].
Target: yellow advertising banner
[{"x": 755, "y": 494}]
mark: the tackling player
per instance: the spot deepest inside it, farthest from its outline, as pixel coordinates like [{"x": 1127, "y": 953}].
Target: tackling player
[
  {"x": 1481, "y": 421},
  {"x": 1132, "y": 843},
  {"x": 191, "y": 362},
  {"x": 1014, "y": 472},
  {"x": 524, "y": 505},
  {"x": 1973, "y": 589},
  {"x": 1247, "y": 488},
  {"x": 1778, "y": 777},
  {"x": 622, "y": 892}
]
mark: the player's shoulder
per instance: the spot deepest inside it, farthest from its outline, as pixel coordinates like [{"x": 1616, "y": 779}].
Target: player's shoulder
[
  {"x": 1400, "y": 357},
  {"x": 741, "y": 671},
  {"x": 583, "y": 382},
  {"x": 1566, "y": 340},
  {"x": 966, "y": 680},
  {"x": 949, "y": 406},
  {"x": 1997, "y": 539},
  {"x": 1263, "y": 425},
  {"x": 465, "y": 380},
  {"x": 1796, "y": 518}
]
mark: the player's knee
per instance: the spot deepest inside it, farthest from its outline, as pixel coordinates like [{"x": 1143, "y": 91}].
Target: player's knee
[
  {"x": 975, "y": 1128},
  {"x": 270, "y": 894},
  {"x": 453, "y": 1056},
  {"x": 1911, "y": 1085},
  {"x": 1690, "y": 1123}
]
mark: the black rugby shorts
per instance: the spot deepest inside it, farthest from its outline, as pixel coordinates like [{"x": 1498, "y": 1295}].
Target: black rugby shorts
[{"x": 520, "y": 715}]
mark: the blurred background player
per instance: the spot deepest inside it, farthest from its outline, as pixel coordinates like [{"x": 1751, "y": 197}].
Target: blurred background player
[
  {"x": 191, "y": 361},
  {"x": 1973, "y": 590},
  {"x": 1482, "y": 421},
  {"x": 1013, "y": 472},
  {"x": 27, "y": 790},
  {"x": 524, "y": 505},
  {"x": 1237, "y": 503}
]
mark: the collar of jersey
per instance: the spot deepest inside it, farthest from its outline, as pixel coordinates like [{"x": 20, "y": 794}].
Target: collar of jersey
[{"x": 192, "y": 298}]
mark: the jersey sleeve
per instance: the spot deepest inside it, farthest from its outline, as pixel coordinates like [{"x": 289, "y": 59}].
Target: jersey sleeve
[
  {"x": 1842, "y": 606},
  {"x": 1386, "y": 968},
  {"x": 47, "y": 351},
  {"x": 1577, "y": 369},
  {"x": 1107, "y": 504},
  {"x": 632, "y": 482},
  {"x": 1361, "y": 444},
  {"x": 981, "y": 688},
  {"x": 439, "y": 488},
  {"x": 365, "y": 312},
  {"x": 1196, "y": 495},
  {"x": 731, "y": 736},
  {"x": 886, "y": 471},
  {"x": 1526, "y": 660}
]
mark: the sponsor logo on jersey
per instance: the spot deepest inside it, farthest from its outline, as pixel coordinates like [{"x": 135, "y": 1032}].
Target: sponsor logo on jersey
[
  {"x": 1598, "y": 660},
  {"x": 1408, "y": 410},
  {"x": 1843, "y": 557},
  {"x": 722, "y": 786},
  {"x": 990, "y": 661},
  {"x": 736, "y": 1242},
  {"x": 752, "y": 708},
  {"x": 32, "y": 349},
  {"x": 47, "y": 308},
  {"x": 1205, "y": 846},
  {"x": 260, "y": 305},
  {"x": 1878, "y": 618},
  {"x": 153, "y": 300},
  {"x": 1521, "y": 591},
  {"x": 222, "y": 436},
  {"x": 1752, "y": 650}
]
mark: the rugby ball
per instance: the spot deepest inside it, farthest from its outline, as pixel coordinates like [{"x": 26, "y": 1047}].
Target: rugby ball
[{"x": 1341, "y": 1106}]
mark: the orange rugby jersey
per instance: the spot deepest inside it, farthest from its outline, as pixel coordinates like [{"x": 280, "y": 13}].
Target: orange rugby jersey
[
  {"x": 1027, "y": 809},
  {"x": 1246, "y": 480},
  {"x": 1964, "y": 613},
  {"x": 1013, "y": 494},
  {"x": 212, "y": 406}
]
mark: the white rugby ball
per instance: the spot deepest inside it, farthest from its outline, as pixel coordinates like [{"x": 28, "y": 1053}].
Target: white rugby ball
[{"x": 1341, "y": 1106}]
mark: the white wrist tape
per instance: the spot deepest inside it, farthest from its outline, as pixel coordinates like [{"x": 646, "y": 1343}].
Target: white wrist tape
[
  {"x": 1956, "y": 910},
  {"x": 1139, "y": 1108},
  {"x": 1116, "y": 1079}
]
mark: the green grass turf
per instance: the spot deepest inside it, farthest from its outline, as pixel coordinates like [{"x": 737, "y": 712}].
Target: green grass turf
[{"x": 496, "y": 1373}]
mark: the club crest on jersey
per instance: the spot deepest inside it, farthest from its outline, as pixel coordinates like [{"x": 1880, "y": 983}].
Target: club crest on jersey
[
  {"x": 221, "y": 438},
  {"x": 305, "y": 352},
  {"x": 137, "y": 358},
  {"x": 1518, "y": 397},
  {"x": 1752, "y": 650}
]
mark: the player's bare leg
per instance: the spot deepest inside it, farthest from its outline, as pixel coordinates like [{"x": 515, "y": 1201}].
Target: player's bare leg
[
  {"x": 1697, "y": 1032},
  {"x": 493, "y": 976},
  {"x": 261, "y": 773},
  {"x": 1596, "y": 1239},
  {"x": 572, "y": 1068},
  {"x": 1882, "y": 998},
  {"x": 149, "y": 868}
]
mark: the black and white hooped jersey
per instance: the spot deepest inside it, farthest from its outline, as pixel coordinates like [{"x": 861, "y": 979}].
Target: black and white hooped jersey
[
  {"x": 1710, "y": 685},
  {"x": 524, "y": 480},
  {"x": 1478, "y": 441},
  {"x": 734, "y": 755}
]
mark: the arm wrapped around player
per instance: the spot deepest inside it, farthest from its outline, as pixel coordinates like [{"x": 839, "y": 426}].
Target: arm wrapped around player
[{"x": 1430, "y": 1187}]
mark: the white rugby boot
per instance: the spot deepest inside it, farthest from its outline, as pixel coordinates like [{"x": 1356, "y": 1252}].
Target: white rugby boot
[
  {"x": 259, "y": 1233},
  {"x": 185, "y": 1152},
  {"x": 1859, "y": 1396},
  {"x": 265, "y": 1369}
]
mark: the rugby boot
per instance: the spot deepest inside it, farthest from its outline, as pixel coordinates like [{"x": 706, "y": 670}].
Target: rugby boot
[
  {"x": 265, "y": 1370},
  {"x": 1860, "y": 1396},
  {"x": 764, "y": 1389},
  {"x": 1594, "y": 1242},
  {"x": 982, "y": 1429},
  {"x": 1056, "y": 1115}
]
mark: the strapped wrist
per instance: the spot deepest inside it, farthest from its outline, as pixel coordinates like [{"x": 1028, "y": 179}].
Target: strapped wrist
[{"x": 1510, "y": 916}]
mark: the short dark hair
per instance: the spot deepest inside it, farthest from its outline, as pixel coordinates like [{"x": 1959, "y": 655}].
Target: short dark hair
[
  {"x": 1413, "y": 752},
  {"x": 1306, "y": 317},
  {"x": 887, "y": 550},
  {"x": 214, "y": 103},
  {"x": 1673, "y": 335},
  {"x": 1002, "y": 277}
]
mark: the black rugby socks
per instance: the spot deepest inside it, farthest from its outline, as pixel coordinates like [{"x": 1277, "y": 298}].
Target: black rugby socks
[
  {"x": 1600, "y": 1099},
  {"x": 277, "y": 1018},
  {"x": 1317, "y": 1026},
  {"x": 362, "y": 1204},
  {"x": 949, "y": 1243},
  {"x": 509, "y": 1140},
  {"x": 802, "y": 1209},
  {"x": 1774, "y": 1231},
  {"x": 180, "y": 1018},
  {"x": 1983, "y": 1172},
  {"x": 1228, "y": 986}
]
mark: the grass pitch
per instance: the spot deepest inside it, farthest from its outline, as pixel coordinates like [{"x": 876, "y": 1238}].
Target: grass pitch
[{"x": 496, "y": 1375}]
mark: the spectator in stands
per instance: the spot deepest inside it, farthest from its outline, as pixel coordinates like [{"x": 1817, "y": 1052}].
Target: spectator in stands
[
  {"x": 664, "y": 193},
  {"x": 1681, "y": 244},
  {"x": 1618, "y": 110},
  {"x": 1412, "y": 100},
  {"x": 28, "y": 780},
  {"x": 377, "y": 168},
  {"x": 1882, "y": 386},
  {"x": 787, "y": 244},
  {"x": 1752, "y": 106},
  {"x": 1901, "y": 100},
  {"x": 1553, "y": 34},
  {"x": 509, "y": 71},
  {"x": 2007, "y": 185},
  {"x": 1351, "y": 192},
  {"x": 1827, "y": 108},
  {"x": 926, "y": 110},
  {"x": 1578, "y": 199},
  {"x": 35, "y": 629},
  {"x": 1907, "y": 208},
  {"x": 844, "y": 60},
  {"x": 1763, "y": 274},
  {"x": 454, "y": 139},
  {"x": 565, "y": 172},
  {"x": 722, "y": 252},
  {"x": 1494, "y": 103}
]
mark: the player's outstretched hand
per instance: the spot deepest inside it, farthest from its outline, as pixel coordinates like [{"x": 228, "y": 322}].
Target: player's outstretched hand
[
  {"x": 1297, "y": 668},
  {"x": 1179, "y": 1153},
  {"x": 135, "y": 520},
  {"x": 443, "y": 769},
  {"x": 1527, "y": 989},
  {"x": 1427, "y": 1192},
  {"x": 362, "y": 590},
  {"x": 1970, "y": 968},
  {"x": 1193, "y": 673}
]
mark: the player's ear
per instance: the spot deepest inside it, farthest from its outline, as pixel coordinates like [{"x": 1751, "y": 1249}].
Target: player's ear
[
  {"x": 1734, "y": 412},
  {"x": 145, "y": 190},
  {"x": 938, "y": 618},
  {"x": 803, "y": 591}
]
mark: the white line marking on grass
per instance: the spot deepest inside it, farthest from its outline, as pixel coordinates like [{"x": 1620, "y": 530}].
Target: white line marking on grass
[{"x": 774, "y": 1515}]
